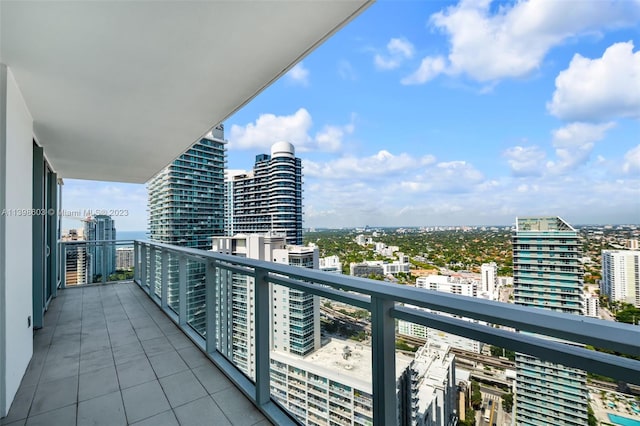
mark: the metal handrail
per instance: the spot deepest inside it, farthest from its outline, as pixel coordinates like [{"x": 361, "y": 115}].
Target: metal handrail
[
  {"x": 619, "y": 337},
  {"x": 64, "y": 244},
  {"x": 385, "y": 301}
]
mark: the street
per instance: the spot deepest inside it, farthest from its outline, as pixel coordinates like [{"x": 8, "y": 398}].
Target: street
[{"x": 492, "y": 413}]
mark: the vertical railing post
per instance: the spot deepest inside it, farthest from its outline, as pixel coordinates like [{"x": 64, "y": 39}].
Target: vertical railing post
[
  {"x": 164, "y": 279},
  {"x": 224, "y": 298},
  {"x": 182, "y": 290},
  {"x": 104, "y": 261},
  {"x": 210, "y": 306},
  {"x": 262, "y": 330},
  {"x": 63, "y": 266},
  {"x": 136, "y": 261},
  {"x": 152, "y": 272},
  {"x": 143, "y": 265},
  {"x": 383, "y": 341}
]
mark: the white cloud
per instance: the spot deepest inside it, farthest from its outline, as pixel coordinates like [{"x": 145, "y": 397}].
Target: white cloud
[
  {"x": 573, "y": 144},
  {"x": 401, "y": 47},
  {"x": 299, "y": 74},
  {"x": 398, "y": 50},
  {"x": 430, "y": 67},
  {"x": 130, "y": 199},
  {"x": 583, "y": 199},
  {"x": 598, "y": 89},
  {"x": 632, "y": 161},
  {"x": 452, "y": 176},
  {"x": 294, "y": 128},
  {"x": 270, "y": 128},
  {"x": 390, "y": 189},
  {"x": 330, "y": 138},
  {"x": 513, "y": 41},
  {"x": 346, "y": 70},
  {"x": 525, "y": 161},
  {"x": 379, "y": 165}
]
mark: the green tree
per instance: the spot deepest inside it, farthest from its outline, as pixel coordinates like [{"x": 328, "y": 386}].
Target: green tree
[
  {"x": 476, "y": 396},
  {"x": 628, "y": 314},
  {"x": 507, "y": 401},
  {"x": 469, "y": 418},
  {"x": 592, "y": 420},
  {"x": 498, "y": 351},
  {"x": 404, "y": 346}
]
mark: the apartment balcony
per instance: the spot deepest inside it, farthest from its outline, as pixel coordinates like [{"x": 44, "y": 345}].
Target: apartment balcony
[
  {"x": 108, "y": 355},
  {"x": 121, "y": 351},
  {"x": 84, "y": 95}
]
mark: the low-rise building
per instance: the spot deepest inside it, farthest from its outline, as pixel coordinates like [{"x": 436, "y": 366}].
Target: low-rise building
[
  {"x": 592, "y": 305},
  {"x": 331, "y": 264},
  {"x": 447, "y": 284},
  {"x": 365, "y": 269},
  {"x": 379, "y": 267}
]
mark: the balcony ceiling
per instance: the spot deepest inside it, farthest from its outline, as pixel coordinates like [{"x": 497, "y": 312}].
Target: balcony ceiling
[{"x": 118, "y": 90}]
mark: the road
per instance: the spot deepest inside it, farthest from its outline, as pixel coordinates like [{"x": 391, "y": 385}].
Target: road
[
  {"x": 606, "y": 315},
  {"x": 492, "y": 404}
]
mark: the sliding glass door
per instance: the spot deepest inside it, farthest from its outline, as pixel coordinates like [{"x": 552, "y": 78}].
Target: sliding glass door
[{"x": 45, "y": 235}]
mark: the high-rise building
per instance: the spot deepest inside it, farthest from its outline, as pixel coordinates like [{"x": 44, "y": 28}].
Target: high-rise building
[
  {"x": 621, "y": 276},
  {"x": 428, "y": 397},
  {"x": 296, "y": 315},
  {"x": 186, "y": 208},
  {"x": 333, "y": 385},
  {"x": 268, "y": 198},
  {"x": 77, "y": 260},
  {"x": 547, "y": 274},
  {"x": 103, "y": 256},
  {"x": 489, "y": 273},
  {"x": 77, "y": 265},
  {"x": 124, "y": 258},
  {"x": 186, "y": 199}
]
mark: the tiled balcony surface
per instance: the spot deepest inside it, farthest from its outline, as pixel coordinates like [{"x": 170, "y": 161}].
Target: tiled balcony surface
[{"x": 109, "y": 356}]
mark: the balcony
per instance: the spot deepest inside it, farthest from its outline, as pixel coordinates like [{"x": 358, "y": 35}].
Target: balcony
[
  {"x": 108, "y": 355},
  {"x": 122, "y": 350},
  {"x": 57, "y": 59}
]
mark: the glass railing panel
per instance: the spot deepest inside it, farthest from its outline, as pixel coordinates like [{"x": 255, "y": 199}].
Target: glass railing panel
[
  {"x": 454, "y": 378},
  {"x": 195, "y": 295},
  {"x": 146, "y": 259},
  {"x": 85, "y": 262},
  {"x": 503, "y": 387},
  {"x": 320, "y": 348},
  {"x": 173, "y": 282},
  {"x": 157, "y": 285},
  {"x": 235, "y": 313},
  {"x": 321, "y": 359}
]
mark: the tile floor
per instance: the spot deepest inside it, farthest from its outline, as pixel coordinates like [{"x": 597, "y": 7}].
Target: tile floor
[{"x": 109, "y": 356}]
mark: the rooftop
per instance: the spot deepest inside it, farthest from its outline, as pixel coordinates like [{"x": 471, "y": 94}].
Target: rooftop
[{"x": 328, "y": 361}]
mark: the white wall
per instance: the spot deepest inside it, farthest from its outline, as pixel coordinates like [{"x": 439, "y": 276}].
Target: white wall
[{"x": 18, "y": 343}]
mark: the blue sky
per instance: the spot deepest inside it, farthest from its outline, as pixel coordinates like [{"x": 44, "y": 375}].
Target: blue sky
[{"x": 445, "y": 113}]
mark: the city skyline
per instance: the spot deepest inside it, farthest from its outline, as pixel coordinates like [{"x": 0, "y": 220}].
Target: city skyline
[{"x": 410, "y": 116}]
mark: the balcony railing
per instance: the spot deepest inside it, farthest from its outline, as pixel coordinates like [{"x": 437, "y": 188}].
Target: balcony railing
[
  {"x": 187, "y": 285},
  {"x": 88, "y": 262}
]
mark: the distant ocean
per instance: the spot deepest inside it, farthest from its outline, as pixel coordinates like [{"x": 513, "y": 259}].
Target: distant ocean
[{"x": 131, "y": 235}]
